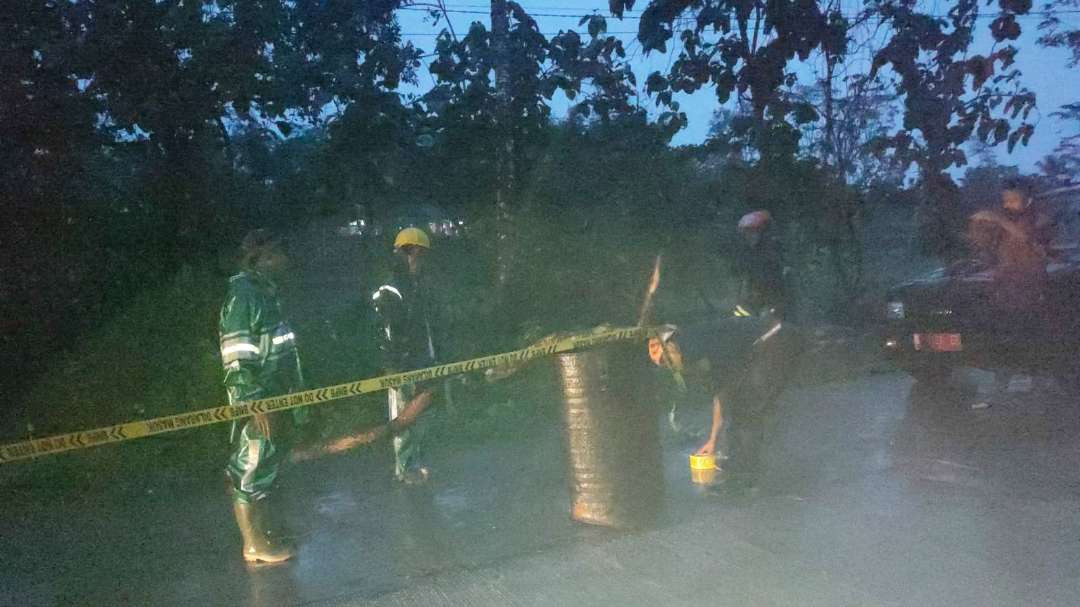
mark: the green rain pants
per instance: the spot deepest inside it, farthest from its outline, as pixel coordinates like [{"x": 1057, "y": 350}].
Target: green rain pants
[
  {"x": 406, "y": 442},
  {"x": 254, "y": 463}
]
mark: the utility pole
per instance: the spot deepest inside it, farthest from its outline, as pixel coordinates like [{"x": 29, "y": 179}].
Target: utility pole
[
  {"x": 504, "y": 158},
  {"x": 831, "y": 152}
]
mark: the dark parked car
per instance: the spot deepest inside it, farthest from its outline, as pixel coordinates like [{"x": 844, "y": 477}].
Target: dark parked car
[{"x": 950, "y": 318}]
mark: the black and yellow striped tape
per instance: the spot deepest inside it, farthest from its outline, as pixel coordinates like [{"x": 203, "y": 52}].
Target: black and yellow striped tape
[{"x": 205, "y": 417}]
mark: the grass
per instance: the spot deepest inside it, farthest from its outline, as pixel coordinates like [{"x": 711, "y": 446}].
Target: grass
[{"x": 157, "y": 357}]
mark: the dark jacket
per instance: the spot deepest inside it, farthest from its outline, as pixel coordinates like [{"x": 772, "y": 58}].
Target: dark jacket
[
  {"x": 405, "y": 328},
  {"x": 730, "y": 345},
  {"x": 761, "y": 273}
]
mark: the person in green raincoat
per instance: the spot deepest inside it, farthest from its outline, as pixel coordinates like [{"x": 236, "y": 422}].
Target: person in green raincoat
[{"x": 260, "y": 358}]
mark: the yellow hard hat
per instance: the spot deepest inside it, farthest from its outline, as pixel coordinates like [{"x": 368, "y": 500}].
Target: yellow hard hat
[{"x": 412, "y": 236}]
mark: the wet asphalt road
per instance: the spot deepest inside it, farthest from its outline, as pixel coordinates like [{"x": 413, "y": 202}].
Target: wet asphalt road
[{"x": 880, "y": 493}]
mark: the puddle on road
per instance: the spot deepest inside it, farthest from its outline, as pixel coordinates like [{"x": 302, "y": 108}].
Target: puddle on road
[
  {"x": 453, "y": 504},
  {"x": 940, "y": 471},
  {"x": 953, "y": 473},
  {"x": 336, "y": 505},
  {"x": 452, "y": 500}
]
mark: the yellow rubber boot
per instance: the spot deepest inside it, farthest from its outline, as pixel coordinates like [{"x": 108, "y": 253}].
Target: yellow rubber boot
[{"x": 258, "y": 546}]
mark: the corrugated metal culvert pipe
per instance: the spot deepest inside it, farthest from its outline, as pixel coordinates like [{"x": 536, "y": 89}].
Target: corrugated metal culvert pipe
[{"x": 616, "y": 475}]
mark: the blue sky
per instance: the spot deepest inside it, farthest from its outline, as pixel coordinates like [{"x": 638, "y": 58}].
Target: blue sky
[{"x": 1045, "y": 71}]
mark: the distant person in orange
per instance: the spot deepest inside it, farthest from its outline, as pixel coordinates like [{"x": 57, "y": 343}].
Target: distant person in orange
[{"x": 1014, "y": 240}]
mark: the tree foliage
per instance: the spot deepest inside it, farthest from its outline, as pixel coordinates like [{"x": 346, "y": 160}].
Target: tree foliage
[
  {"x": 591, "y": 71},
  {"x": 742, "y": 48},
  {"x": 864, "y": 111},
  {"x": 46, "y": 123},
  {"x": 1057, "y": 33},
  {"x": 498, "y": 85},
  {"x": 118, "y": 128},
  {"x": 949, "y": 95},
  {"x": 1063, "y": 164}
]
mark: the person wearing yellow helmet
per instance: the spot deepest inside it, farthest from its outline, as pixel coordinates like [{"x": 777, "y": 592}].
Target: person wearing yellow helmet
[
  {"x": 414, "y": 237},
  {"x": 407, "y": 341}
]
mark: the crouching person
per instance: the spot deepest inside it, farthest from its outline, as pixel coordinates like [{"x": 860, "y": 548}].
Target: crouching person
[
  {"x": 258, "y": 350},
  {"x": 745, "y": 363}
]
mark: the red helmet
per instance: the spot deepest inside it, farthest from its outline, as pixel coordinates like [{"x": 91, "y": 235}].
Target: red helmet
[{"x": 755, "y": 220}]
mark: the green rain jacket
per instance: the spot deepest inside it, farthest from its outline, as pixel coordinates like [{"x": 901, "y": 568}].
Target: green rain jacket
[{"x": 258, "y": 348}]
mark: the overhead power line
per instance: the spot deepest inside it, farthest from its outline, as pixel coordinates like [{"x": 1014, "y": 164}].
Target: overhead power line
[
  {"x": 436, "y": 34},
  {"x": 538, "y": 8},
  {"x": 579, "y": 15},
  {"x": 480, "y": 12},
  {"x": 624, "y": 33}
]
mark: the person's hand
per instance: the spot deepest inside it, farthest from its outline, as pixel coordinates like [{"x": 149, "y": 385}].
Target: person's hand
[
  {"x": 656, "y": 351},
  {"x": 412, "y": 411},
  {"x": 709, "y": 448},
  {"x": 264, "y": 425},
  {"x": 375, "y": 433},
  {"x": 346, "y": 443},
  {"x": 342, "y": 444}
]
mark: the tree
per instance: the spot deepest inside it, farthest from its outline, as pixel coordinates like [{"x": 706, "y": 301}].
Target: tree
[
  {"x": 950, "y": 96},
  {"x": 132, "y": 131},
  {"x": 47, "y": 124},
  {"x": 743, "y": 48},
  {"x": 497, "y": 85},
  {"x": 47, "y": 133},
  {"x": 183, "y": 75},
  {"x": 981, "y": 186},
  {"x": 863, "y": 111},
  {"x": 1057, "y": 33},
  {"x": 1063, "y": 164}
]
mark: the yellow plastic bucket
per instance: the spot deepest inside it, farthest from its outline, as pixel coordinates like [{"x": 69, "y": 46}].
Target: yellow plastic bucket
[{"x": 703, "y": 469}]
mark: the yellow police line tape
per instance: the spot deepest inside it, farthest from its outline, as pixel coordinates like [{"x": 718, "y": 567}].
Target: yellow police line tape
[{"x": 182, "y": 421}]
